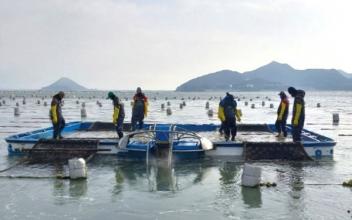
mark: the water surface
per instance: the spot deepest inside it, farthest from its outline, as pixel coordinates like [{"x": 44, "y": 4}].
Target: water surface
[{"x": 197, "y": 189}]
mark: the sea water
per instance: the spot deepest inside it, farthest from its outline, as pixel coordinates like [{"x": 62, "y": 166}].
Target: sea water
[{"x": 197, "y": 189}]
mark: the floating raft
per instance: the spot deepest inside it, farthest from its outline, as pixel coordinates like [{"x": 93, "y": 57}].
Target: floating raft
[{"x": 253, "y": 141}]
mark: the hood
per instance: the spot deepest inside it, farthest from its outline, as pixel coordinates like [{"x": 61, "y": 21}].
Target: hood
[{"x": 300, "y": 93}]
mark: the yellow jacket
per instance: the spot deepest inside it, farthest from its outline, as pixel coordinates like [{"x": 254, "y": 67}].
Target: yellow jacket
[{"x": 221, "y": 114}]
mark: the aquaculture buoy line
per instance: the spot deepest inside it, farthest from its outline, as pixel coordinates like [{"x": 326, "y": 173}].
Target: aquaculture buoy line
[
  {"x": 251, "y": 177},
  {"x": 77, "y": 170}
]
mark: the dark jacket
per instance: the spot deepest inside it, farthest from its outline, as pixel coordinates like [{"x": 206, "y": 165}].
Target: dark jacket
[
  {"x": 140, "y": 106},
  {"x": 119, "y": 111},
  {"x": 298, "y": 114},
  {"x": 282, "y": 111},
  {"x": 227, "y": 109},
  {"x": 55, "y": 110}
]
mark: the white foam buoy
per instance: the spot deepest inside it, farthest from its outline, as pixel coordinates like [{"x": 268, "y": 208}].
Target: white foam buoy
[
  {"x": 207, "y": 105},
  {"x": 77, "y": 168},
  {"x": 251, "y": 175},
  {"x": 83, "y": 112},
  {"x": 335, "y": 118},
  {"x": 17, "y": 111},
  {"x": 168, "y": 111},
  {"x": 210, "y": 113}
]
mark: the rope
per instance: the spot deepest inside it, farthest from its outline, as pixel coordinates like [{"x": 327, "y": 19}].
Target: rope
[
  {"x": 16, "y": 164},
  {"x": 35, "y": 177},
  {"x": 323, "y": 184}
]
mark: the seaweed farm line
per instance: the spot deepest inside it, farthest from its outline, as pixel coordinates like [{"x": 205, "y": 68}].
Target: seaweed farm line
[{"x": 197, "y": 189}]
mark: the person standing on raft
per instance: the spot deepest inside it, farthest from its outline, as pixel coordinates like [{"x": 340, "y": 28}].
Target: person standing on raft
[
  {"x": 282, "y": 114},
  {"x": 228, "y": 114},
  {"x": 139, "y": 109},
  {"x": 222, "y": 126},
  {"x": 56, "y": 117},
  {"x": 298, "y": 113},
  {"x": 118, "y": 115}
]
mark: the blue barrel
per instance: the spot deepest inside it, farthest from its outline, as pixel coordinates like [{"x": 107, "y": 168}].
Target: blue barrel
[{"x": 162, "y": 133}]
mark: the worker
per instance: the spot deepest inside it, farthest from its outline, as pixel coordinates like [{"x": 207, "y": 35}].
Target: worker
[
  {"x": 228, "y": 114},
  {"x": 118, "y": 113},
  {"x": 298, "y": 113},
  {"x": 139, "y": 109},
  {"x": 222, "y": 126},
  {"x": 282, "y": 113},
  {"x": 56, "y": 117}
]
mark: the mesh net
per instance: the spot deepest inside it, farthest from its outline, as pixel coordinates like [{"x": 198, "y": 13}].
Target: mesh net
[
  {"x": 54, "y": 151},
  {"x": 107, "y": 126},
  {"x": 274, "y": 151}
]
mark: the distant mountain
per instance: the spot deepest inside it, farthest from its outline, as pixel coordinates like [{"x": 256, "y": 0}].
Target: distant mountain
[
  {"x": 347, "y": 75},
  {"x": 64, "y": 84},
  {"x": 224, "y": 80},
  {"x": 272, "y": 76}
]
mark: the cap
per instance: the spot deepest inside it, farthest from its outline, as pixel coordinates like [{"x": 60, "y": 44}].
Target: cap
[
  {"x": 111, "y": 95},
  {"x": 139, "y": 90},
  {"x": 282, "y": 93},
  {"x": 61, "y": 93}
]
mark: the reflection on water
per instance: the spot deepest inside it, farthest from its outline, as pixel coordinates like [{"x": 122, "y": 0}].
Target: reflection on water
[
  {"x": 119, "y": 178},
  {"x": 296, "y": 180},
  {"x": 158, "y": 174},
  {"x": 78, "y": 188},
  {"x": 59, "y": 191},
  {"x": 164, "y": 176},
  {"x": 74, "y": 189},
  {"x": 251, "y": 197},
  {"x": 229, "y": 172}
]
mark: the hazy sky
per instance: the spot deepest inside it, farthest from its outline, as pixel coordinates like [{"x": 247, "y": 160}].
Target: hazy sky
[{"x": 159, "y": 44}]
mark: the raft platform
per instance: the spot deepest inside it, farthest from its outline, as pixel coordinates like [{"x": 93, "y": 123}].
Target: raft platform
[{"x": 253, "y": 141}]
